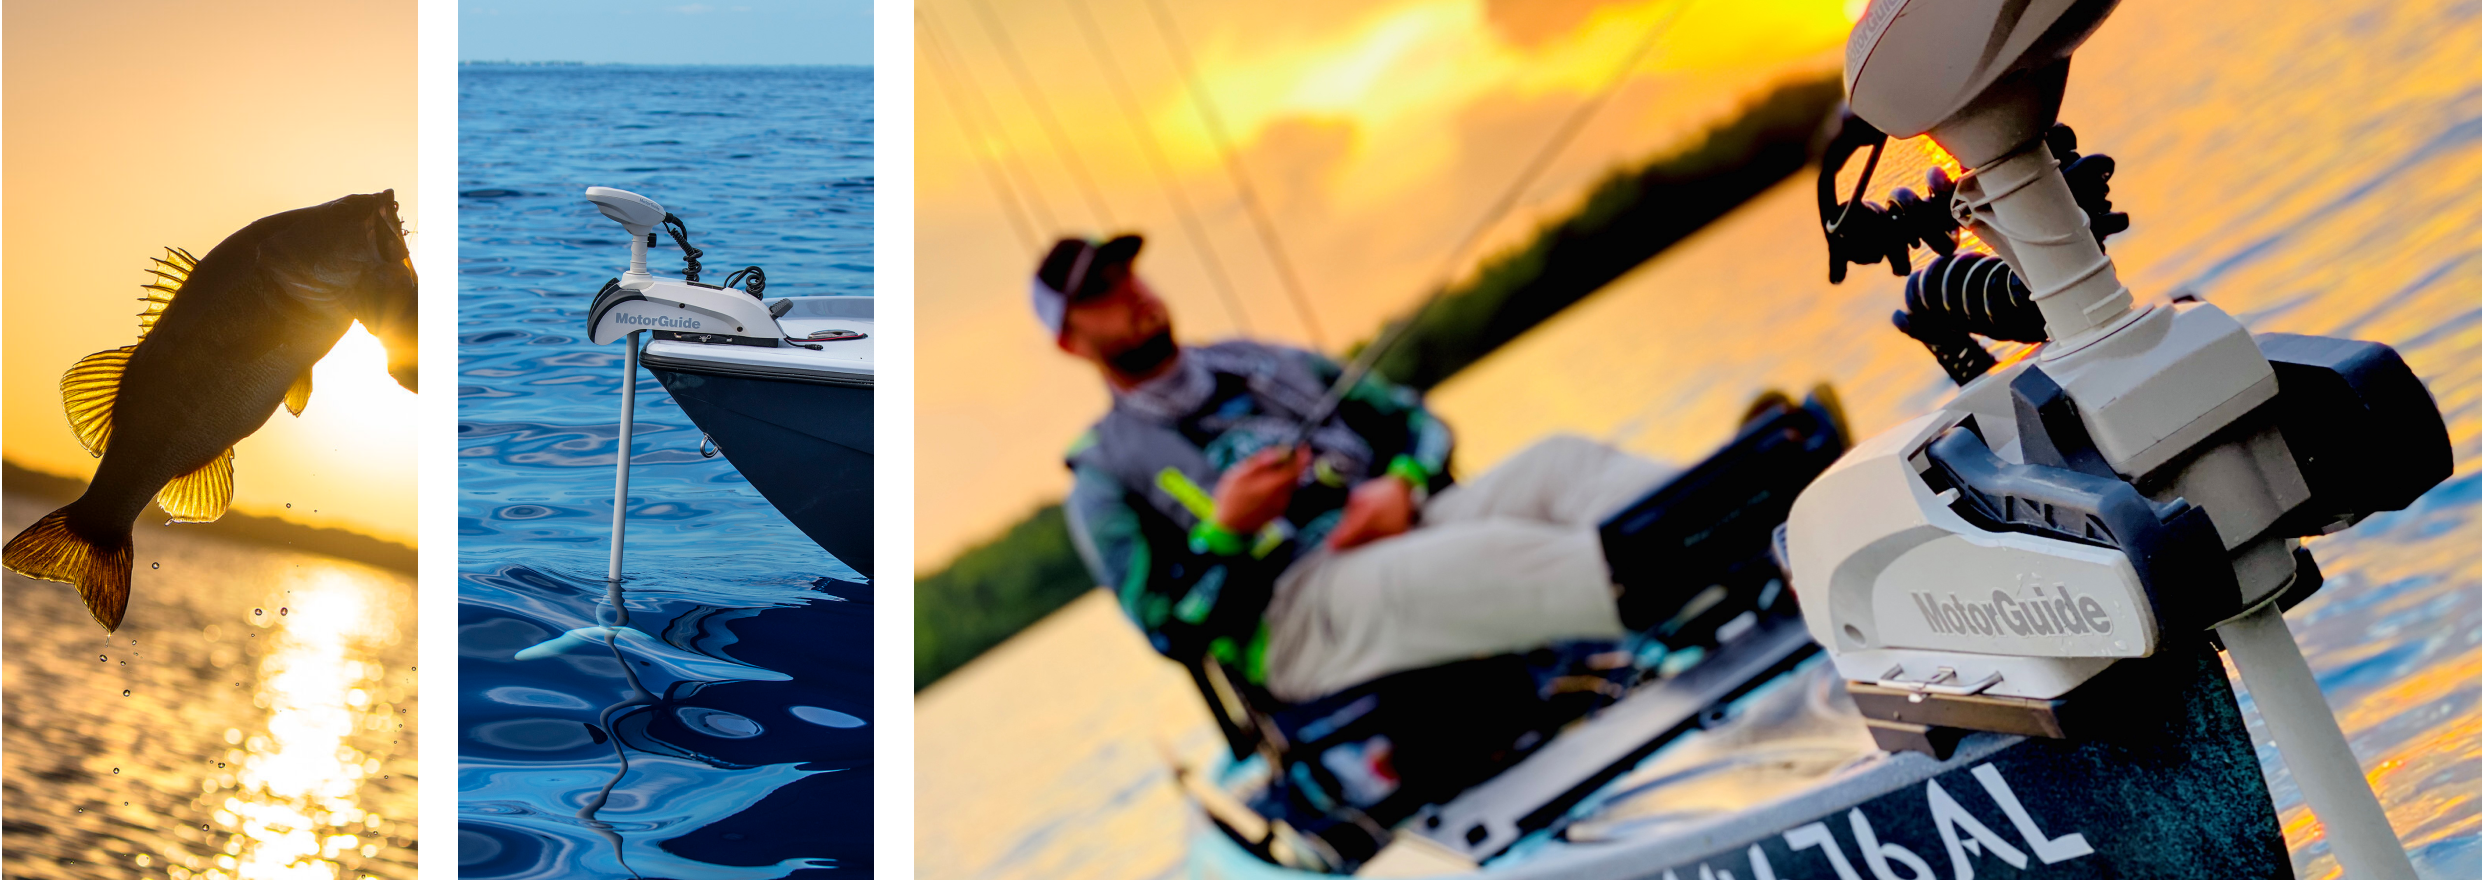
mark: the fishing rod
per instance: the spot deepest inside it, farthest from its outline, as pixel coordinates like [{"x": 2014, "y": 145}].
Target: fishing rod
[
  {"x": 1391, "y": 334},
  {"x": 1215, "y": 124}
]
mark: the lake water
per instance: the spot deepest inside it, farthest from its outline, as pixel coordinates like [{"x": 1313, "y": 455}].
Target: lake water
[
  {"x": 748, "y": 660},
  {"x": 253, "y": 717},
  {"x": 2311, "y": 167}
]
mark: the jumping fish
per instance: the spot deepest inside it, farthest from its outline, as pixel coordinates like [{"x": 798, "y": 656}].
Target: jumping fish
[{"x": 224, "y": 340}]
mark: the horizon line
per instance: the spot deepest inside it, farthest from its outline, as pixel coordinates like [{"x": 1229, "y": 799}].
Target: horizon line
[{"x": 505, "y": 62}]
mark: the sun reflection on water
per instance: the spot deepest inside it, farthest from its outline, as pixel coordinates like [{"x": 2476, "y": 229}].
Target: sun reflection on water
[{"x": 294, "y": 809}]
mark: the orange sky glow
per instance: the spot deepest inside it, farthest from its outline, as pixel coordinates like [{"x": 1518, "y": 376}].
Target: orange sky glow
[
  {"x": 1376, "y": 131},
  {"x": 131, "y": 126}
]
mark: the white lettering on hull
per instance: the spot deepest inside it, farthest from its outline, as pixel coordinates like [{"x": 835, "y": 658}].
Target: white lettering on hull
[{"x": 1963, "y": 835}]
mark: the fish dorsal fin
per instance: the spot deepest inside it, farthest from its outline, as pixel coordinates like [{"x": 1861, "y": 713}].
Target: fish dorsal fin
[
  {"x": 200, "y": 495},
  {"x": 87, "y": 391},
  {"x": 298, "y": 395},
  {"x": 171, "y": 271}
]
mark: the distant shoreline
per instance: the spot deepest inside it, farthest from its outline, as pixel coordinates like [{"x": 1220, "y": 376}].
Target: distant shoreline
[
  {"x": 17, "y": 479},
  {"x": 627, "y": 65}
]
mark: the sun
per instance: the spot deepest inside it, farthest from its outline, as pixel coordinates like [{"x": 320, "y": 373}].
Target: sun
[{"x": 348, "y": 461}]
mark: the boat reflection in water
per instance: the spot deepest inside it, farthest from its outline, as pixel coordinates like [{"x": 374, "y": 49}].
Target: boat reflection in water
[{"x": 699, "y": 692}]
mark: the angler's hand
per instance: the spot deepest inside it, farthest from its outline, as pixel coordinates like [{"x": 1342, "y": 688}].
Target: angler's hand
[
  {"x": 1377, "y": 509},
  {"x": 1256, "y": 490}
]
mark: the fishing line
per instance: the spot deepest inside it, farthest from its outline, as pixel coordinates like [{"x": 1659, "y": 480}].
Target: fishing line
[
  {"x": 1164, "y": 170},
  {"x": 1215, "y": 123},
  {"x": 942, "y": 60},
  {"x": 1501, "y": 206},
  {"x": 993, "y": 175},
  {"x": 1044, "y": 112}
]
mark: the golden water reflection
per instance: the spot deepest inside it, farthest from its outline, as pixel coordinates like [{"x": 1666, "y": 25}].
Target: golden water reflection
[
  {"x": 267, "y": 730},
  {"x": 294, "y": 807}
]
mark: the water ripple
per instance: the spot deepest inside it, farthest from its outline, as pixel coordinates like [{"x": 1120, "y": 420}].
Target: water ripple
[{"x": 739, "y": 635}]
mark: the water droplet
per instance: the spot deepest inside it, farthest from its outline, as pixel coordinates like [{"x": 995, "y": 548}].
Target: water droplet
[
  {"x": 256, "y": 612},
  {"x": 288, "y": 505},
  {"x": 125, "y": 663},
  {"x": 99, "y": 658},
  {"x": 116, "y": 771},
  {"x": 125, "y": 692},
  {"x": 133, "y": 643},
  {"x": 202, "y": 826},
  {"x": 219, "y": 765},
  {"x": 156, "y": 565},
  {"x": 280, "y": 612},
  {"x": 81, "y": 809}
]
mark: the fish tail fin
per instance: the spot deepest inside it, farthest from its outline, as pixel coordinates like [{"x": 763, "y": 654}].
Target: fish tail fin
[{"x": 57, "y": 549}]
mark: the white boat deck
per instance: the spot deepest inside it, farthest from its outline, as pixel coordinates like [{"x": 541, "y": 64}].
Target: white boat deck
[{"x": 844, "y": 362}]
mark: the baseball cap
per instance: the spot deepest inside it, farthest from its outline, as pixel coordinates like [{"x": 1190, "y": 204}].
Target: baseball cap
[{"x": 1078, "y": 268}]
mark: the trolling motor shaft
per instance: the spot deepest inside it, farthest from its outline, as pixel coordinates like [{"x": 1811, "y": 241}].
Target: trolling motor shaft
[{"x": 2144, "y": 478}]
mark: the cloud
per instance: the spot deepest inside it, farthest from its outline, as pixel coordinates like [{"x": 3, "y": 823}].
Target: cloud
[{"x": 694, "y": 9}]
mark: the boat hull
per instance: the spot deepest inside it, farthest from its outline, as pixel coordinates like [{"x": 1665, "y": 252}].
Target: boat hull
[
  {"x": 804, "y": 442},
  {"x": 2187, "y": 800}
]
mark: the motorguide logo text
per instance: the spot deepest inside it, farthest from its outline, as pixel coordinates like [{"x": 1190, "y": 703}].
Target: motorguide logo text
[
  {"x": 2038, "y": 613},
  {"x": 665, "y": 322}
]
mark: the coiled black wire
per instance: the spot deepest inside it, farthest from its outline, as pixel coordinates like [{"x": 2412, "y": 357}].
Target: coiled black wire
[
  {"x": 1962, "y": 294},
  {"x": 682, "y": 236},
  {"x": 749, "y": 278}
]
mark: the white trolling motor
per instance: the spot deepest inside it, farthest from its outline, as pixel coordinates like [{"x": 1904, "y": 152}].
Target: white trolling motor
[
  {"x": 2144, "y": 479},
  {"x": 639, "y": 302}
]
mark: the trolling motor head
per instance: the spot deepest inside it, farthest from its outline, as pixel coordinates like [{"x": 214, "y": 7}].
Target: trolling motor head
[
  {"x": 638, "y": 214},
  {"x": 685, "y": 309},
  {"x": 2145, "y": 476}
]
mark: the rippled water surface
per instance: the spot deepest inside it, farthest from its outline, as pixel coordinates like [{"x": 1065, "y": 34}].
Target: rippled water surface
[
  {"x": 737, "y": 679},
  {"x": 253, "y": 717},
  {"x": 2310, "y": 167}
]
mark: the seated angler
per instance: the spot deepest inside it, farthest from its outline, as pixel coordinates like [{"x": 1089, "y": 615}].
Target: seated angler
[{"x": 1315, "y": 567}]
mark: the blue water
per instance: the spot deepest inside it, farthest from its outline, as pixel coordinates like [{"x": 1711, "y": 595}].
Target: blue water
[{"x": 744, "y": 711}]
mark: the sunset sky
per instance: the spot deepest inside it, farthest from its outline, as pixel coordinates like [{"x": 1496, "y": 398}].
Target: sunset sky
[
  {"x": 138, "y": 124},
  {"x": 1376, "y": 131}
]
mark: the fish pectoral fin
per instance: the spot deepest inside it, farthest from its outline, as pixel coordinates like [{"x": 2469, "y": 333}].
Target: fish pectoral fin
[
  {"x": 298, "y": 395},
  {"x": 87, "y": 392},
  {"x": 53, "y": 550},
  {"x": 200, "y": 495}
]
